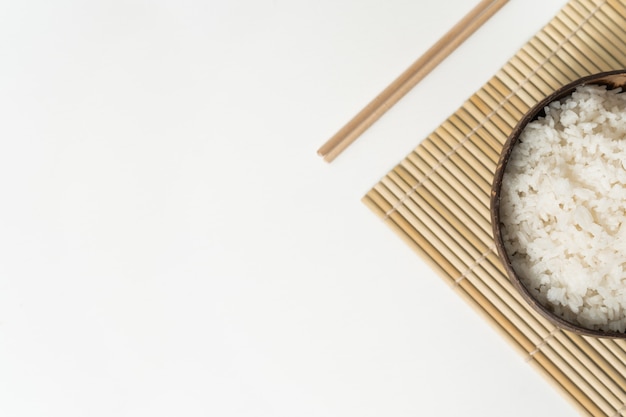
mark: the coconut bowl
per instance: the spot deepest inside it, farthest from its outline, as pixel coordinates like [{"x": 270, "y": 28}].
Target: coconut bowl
[{"x": 612, "y": 80}]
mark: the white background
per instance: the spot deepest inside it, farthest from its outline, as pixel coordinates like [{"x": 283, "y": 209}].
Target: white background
[{"x": 171, "y": 244}]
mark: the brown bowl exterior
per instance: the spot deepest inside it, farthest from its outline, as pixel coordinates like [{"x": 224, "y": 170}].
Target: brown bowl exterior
[{"x": 612, "y": 79}]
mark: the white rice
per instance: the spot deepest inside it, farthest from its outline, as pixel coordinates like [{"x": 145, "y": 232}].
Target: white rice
[{"x": 563, "y": 208}]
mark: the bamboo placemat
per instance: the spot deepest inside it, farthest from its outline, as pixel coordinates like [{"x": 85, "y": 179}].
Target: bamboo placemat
[{"x": 437, "y": 200}]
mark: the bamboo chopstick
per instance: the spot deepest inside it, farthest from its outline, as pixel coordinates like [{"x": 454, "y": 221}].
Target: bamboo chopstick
[{"x": 409, "y": 78}]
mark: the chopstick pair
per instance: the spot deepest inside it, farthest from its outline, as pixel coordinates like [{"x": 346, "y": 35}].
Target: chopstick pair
[{"x": 409, "y": 78}]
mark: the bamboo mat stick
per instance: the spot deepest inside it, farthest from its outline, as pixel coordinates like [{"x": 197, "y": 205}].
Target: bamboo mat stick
[
  {"x": 409, "y": 78},
  {"x": 603, "y": 358},
  {"x": 591, "y": 37},
  {"x": 447, "y": 194},
  {"x": 617, "y": 348},
  {"x": 485, "y": 146}
]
